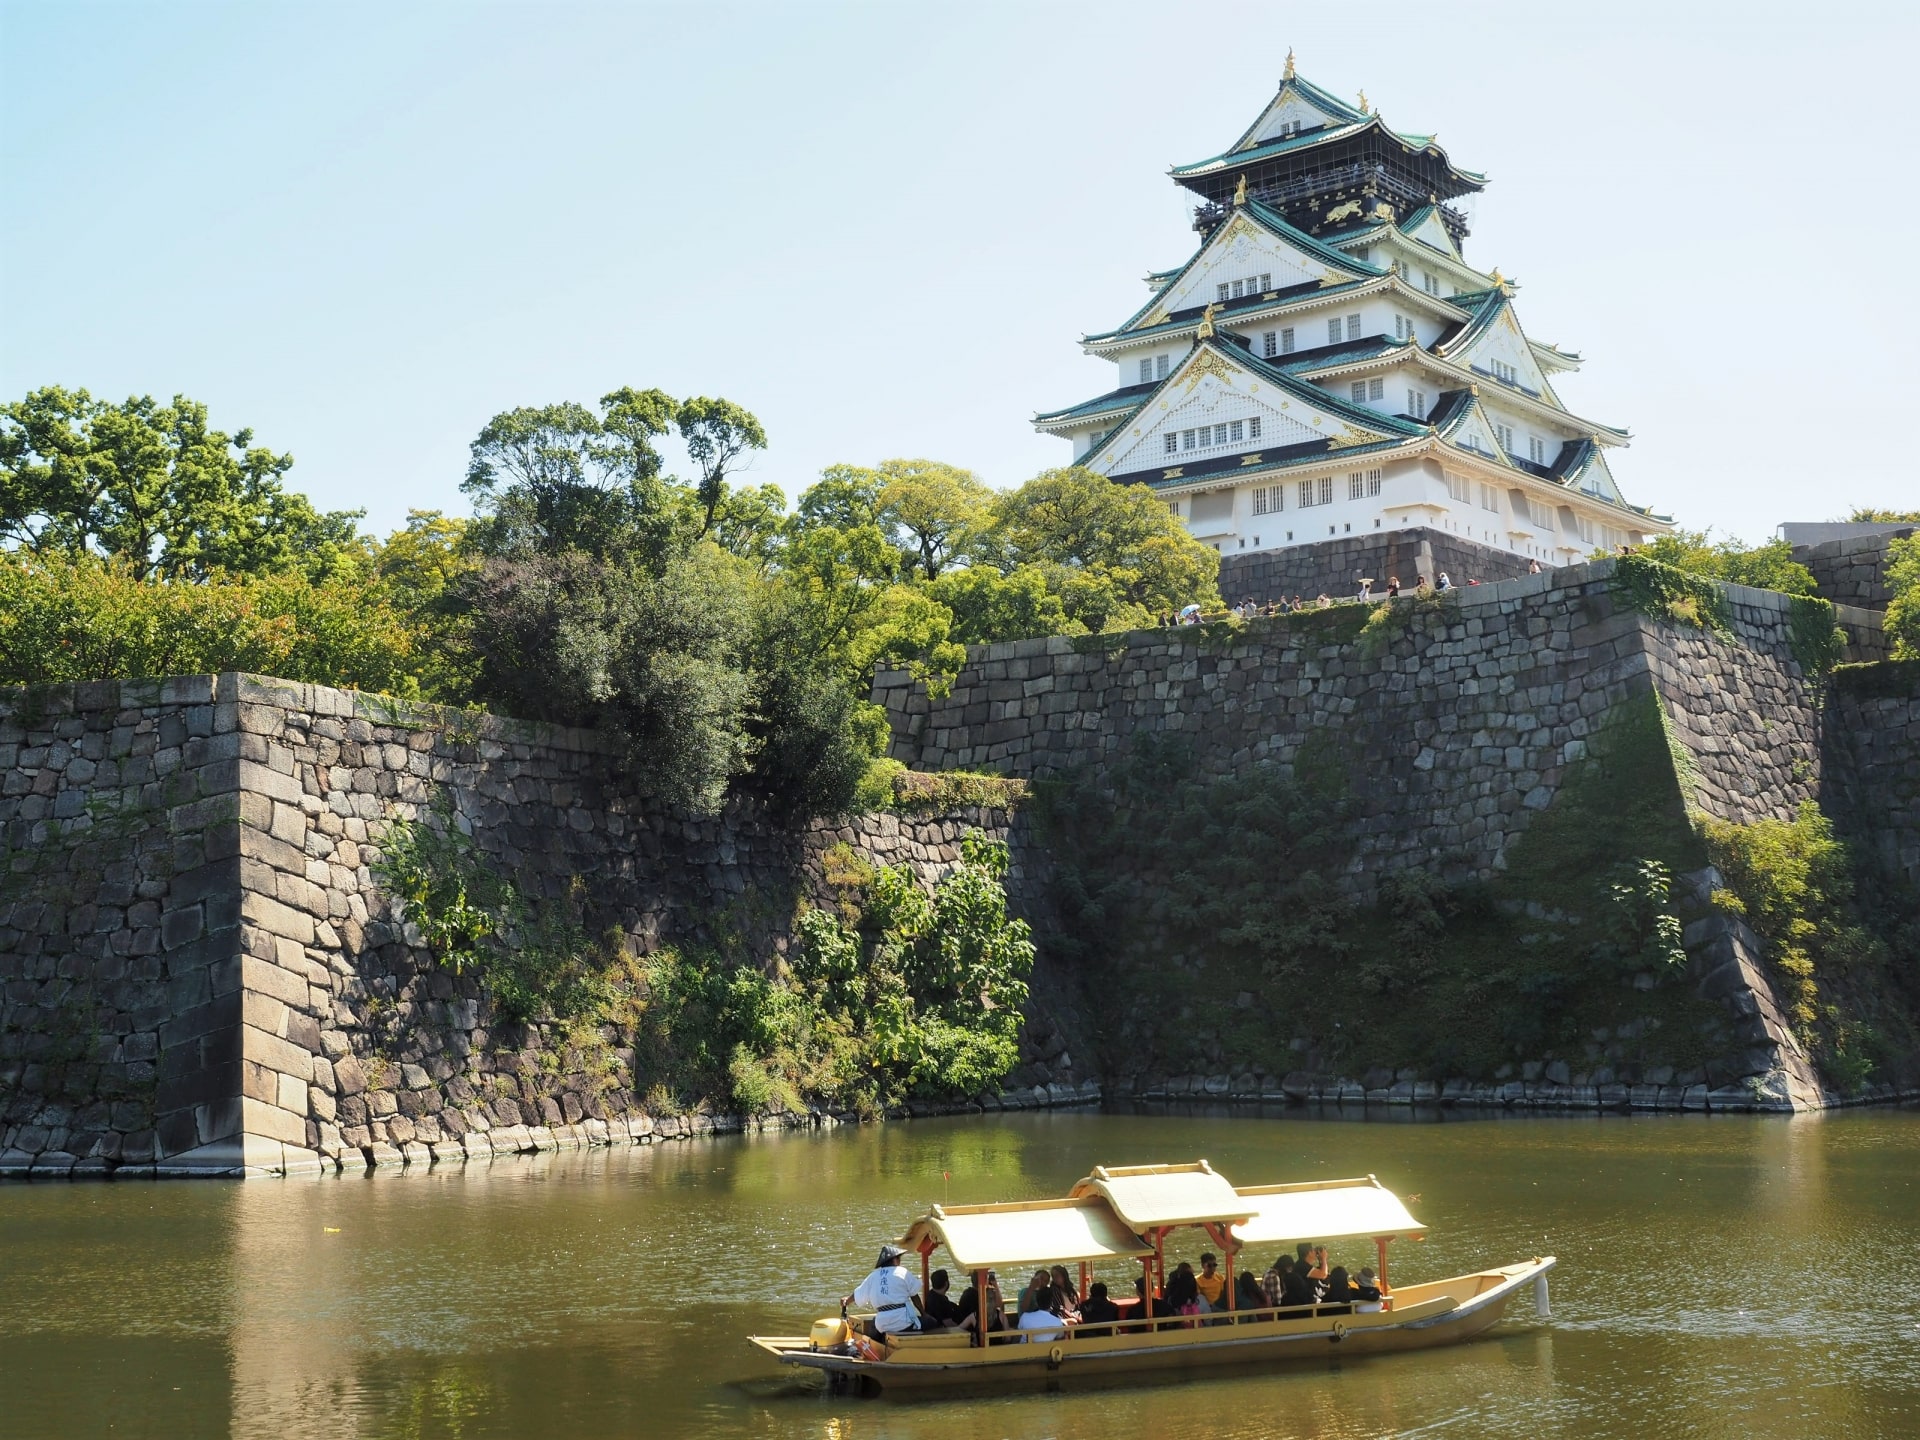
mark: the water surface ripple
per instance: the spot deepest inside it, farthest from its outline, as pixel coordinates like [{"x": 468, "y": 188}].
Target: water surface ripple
[{"x": 1719, "y": 1277}]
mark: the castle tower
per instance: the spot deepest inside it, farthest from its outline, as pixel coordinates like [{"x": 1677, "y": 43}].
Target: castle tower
[{"x": 1328, "y": 389}]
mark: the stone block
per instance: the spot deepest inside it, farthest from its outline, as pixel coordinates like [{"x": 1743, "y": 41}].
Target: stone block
[{"x": 273, "y": 1122}]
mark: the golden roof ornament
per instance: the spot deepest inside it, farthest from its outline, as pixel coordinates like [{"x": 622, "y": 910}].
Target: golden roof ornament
[
  {"x": 1205, "y": 332},
  {"x": 1500, "y": 282},
  {"x": 1287, "y": 74},
  {"x": 1240, "y": 192},
  {"x": 1363, "y": 103}
]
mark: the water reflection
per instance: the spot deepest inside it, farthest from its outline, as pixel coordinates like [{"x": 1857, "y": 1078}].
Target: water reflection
[{"x": 1714, "y": 1277}]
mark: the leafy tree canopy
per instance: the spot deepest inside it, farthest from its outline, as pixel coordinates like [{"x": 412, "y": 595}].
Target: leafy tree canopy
[
  {"x": 1765, "y": 567},
  {"x": 157, "y": 489}
]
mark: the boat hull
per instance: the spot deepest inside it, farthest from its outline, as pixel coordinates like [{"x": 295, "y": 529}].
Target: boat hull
[{"x": 1445, "y": 1313}]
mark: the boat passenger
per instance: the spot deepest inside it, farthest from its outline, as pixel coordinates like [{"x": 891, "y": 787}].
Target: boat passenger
[
  {"x": 1097, "y": 1309},
  {"x": 969, "y": 1306},
  {"x": 1302, "y": 1286},
  {"x": 937, "y": 1307},
  {"x": 1030, "y": 1297},
  {"x": 1275, "y": 1281},
  {"x": 1159, "y": 1306},
  {"x": 1183, "y": 1293},
  {"x": 892, "y": 1292},
  {"x": 1041, "y": 1323},
  {"x": 1069, "y": 1307},
  {"x": 1211, "y": 1284},
  {"x": 1339, "y": 1291},
  {"x": 1373, "y": 1293},
  {"x": 1247, "y": 1294}
]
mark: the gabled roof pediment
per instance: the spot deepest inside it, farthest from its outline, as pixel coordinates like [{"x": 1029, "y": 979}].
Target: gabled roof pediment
[
  {"x": 1301, "y": 104},
  {"x": 1218, "y": 384},
  {"x": 1460, "y": 419},
  {"x": 1254, "y": 243},
  {"x": 1426, "y": 226},
  {"x": 1493, "y": 344}
]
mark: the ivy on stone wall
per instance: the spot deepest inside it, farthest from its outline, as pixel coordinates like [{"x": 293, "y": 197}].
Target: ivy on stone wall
[
  {"x": 1650, "y": 588},
  {"x": 1816, "y": 641},
  {"x": 534, "y": 960},
  {"x": 894, "y": 994}
]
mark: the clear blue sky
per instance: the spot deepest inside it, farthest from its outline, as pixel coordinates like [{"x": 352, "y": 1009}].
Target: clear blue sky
[{"x": 363, "y": 230}]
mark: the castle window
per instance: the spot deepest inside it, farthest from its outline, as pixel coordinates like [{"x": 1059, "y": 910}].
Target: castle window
[
  {"x": 1160, "y": 367},
  {"x": 1270, "y": 344},
  {"x": 1186, "y": 439},
  {"x": 1174, "y": 505},
  {"x": 1260, "y": 501},
  {"x": 1220, "y": 291},
  {"x": 1233, "y": 430},
  {"x": 1333, "y": 331},
  {"x": 1374, "y": 477},
  {"x": 1253, "y": 428},
  {"x": 1417, "y": 404},
  {"x": 1286, "y": 342},
  {"x": 1536, "y": 450},
  {"x": 1146, "y": 370},
  {"x": 1489, "y": 499},
  {"x": 1364, "y": 254},
  {"x": 1459, "y": 488},
  {"x": 1239, "y": 289},
  {"x": 1353, "y": 327},
  {"x": 1377, "y": 388},
  {"x": 1403, "y": 328},
  {"x": 1505, "y": 434},
  {"x": 1357, "y": 485},
  {"x": 1317, "y": 492},
  {"x": 1173, "y": 441},
  {"x": 1359, "y": 392},
  {"x": 1266, "y": 281}
]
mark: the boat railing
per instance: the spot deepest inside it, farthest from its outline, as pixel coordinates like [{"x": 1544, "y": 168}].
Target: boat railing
[{"x": 1084, "y": 1329}]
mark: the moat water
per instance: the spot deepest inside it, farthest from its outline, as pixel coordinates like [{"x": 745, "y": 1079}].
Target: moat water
[{"x": 1719, "y": 1276}]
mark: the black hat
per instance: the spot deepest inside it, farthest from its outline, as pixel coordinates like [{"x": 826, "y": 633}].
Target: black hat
[{"x": 890, "y": 1255}]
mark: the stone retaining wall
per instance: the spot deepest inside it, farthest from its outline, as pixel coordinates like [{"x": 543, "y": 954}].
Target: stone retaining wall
[
  {"x": 1852, "y": 571},
  {"x": 198, "y": 971},
  {"x": 1336, "y": 565},
  {"x": 1455, "y": 720}
]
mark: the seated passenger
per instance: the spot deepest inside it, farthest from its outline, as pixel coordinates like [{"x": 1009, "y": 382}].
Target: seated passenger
[
  {"x": 1211, "y": 1284},
  {"x": 1248, "y": 1295},
  {"x": 1339, "y": 1290},
  {"x": 1097, "y": 1309},
  {"x": 1275, "y": 1282},
  {"x": 1030, "y": 1297},
  {"x": 1159, "y": 1305},
  {"x": 1373, "y": 1293},
  {"x": 996, "y": 1307},
  {"x": 1183, "y": 1293},
  {"x": 1069, "y": 1300},
  {"x": 892, "y": 1292},
  {"x": 937, "y": 1306},
  {"x": 1302, "y": 1284},
  {"x": 1041, "y": 1323}
]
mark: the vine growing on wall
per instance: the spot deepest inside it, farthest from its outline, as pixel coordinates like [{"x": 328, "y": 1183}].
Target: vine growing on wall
[
  {"x": 1651, "y": 588},
  {"x": 1813, "y": 635},
  {"x": 533, "y": 960}
]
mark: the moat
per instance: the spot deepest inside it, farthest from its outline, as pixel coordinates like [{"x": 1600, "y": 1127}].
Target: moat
[{"x": 1719, "y": 1276}]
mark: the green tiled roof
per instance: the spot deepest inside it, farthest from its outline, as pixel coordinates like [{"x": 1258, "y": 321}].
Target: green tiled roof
[
  {"x": 1127, "y": 398},
  {"x": 1309, "y": 139}
]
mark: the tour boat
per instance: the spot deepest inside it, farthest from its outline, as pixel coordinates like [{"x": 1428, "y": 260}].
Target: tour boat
[{"x": 1124, "y": 1216}]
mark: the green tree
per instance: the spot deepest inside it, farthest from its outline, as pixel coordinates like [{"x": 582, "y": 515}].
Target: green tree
[
  {"x": 1903, "y": 610},
  {"x": 1871, "y": 515},
  {"x": 1764, "y": 567},
  {"x": 717, "y": 433},
  {"x": 935, "y": 514},
  {"x": 988, "y": 606},
  {"x": 74, "y": 618},
  {"x": 421, "y": 570},
  {"x": 156, "y": 488},
  {"x": 1113, "y": 553}
]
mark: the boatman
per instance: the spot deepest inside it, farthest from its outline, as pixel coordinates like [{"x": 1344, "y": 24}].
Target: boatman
[{"x": 892, "y": 1292}]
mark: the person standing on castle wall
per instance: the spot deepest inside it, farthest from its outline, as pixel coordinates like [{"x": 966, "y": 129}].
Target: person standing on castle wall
[
  {"x": 1533, "y": 567},
  {"x": 1393, "y": 586},
  {"x": 1445, "y": 582},
  {"x": 1366, "y": 590}
]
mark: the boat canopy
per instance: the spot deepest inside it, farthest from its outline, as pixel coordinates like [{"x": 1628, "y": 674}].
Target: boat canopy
[
  {"x": 1323, "y": 1210},
  {"x": 1027, "y": 1232},
  {"x": 1148, "y": 1197}
]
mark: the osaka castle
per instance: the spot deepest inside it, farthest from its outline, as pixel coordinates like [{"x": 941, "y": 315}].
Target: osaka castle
[{"x": 1328, "y": 390}]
